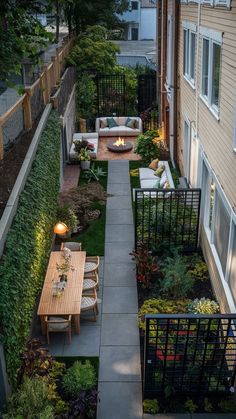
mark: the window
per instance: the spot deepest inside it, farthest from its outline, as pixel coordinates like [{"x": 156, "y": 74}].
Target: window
[
  {"x": 134, "y": 5},
  {"x": 211, "y": 57},
  {"x": 169, "y": 49},
  {"x": 189, "y": 55},
  {"x": 232, "y": 273},
  {"x": 186, "y": 148},
  {"x": 221, "y": 230}
]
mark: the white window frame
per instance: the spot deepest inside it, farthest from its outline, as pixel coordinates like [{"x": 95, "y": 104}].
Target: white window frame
[
  {"x": 222, "y": 3},
  {"x": 212, "y": 37},
  {"x": 189, "y": 28},
  {"x": 170, "y": 60},
  {"x": 186, "y": 156}
]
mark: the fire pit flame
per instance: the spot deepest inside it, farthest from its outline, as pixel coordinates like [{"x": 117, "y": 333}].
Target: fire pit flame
[{"x": 120, "y": 142}]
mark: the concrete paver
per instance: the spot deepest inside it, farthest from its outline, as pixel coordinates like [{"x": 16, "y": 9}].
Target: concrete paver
[
  {"x": 121, "y": 300},
  {"x": 114, "y": 332},
  {"x": 119, "y": 275}
]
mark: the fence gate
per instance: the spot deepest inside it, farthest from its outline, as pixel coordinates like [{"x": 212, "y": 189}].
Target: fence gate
[
  {"x": 111, "y": 95},
  {"x": 146, "y": 91},
  {"x": 189, "y": 354},
  {"x": 167, "y": 217}
]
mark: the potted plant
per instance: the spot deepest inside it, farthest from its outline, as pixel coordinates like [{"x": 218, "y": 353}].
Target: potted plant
[{"x": 84, "y": 158}]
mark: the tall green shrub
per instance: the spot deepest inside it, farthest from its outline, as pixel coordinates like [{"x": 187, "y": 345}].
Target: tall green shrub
[{"x": 28, "y": 245}]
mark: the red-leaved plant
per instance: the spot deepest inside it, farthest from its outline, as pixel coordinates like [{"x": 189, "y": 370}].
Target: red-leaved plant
[{"x": 145, "y": 263}]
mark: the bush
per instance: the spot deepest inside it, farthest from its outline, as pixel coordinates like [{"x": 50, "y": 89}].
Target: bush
[
  {"x": 85, "y": 405},
  {"x": 159, "y": 306},
  {"x": 177, "y": 281},
  {"x": 30, "y": 401},
  {"x": 28, "y": 245},
  {"x": 148, "y": 146},
  {"x": 79, "y": 377},
  {"x": 151, "y": 406},
  {"x": 85, "y": 96},
  {"x": 190, "y": 406},
  {"x": 203, "y": 306},
  {"x": 67, "y": 215}
]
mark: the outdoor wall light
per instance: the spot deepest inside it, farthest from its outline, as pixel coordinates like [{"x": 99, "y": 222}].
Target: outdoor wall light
[{"x": 60, "y": 228}]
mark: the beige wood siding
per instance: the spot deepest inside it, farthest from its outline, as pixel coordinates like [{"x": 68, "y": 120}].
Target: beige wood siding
[{"x": 215, "y": 136}]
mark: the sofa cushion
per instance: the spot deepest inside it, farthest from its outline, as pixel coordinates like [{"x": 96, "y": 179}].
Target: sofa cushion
[
  {"x": 163, "y": 179},
  {"x": 111, "y": 122},
  {"x": 145, "y": 173},
  {"x": 160, "y": 170},
  {"x": 121, "y": 120},
  {"x": 148, "y": 183},
  {"x": 130, "y": 122},
  {"x": 103, "y": 122},
  {"x": 154, "y": 164}
]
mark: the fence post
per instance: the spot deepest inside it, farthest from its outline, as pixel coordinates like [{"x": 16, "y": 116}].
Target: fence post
[
  {"x": 46, "y": 91},
  {"x": 1, "y": 143},
  {"x": 27, "y": 109},
  {"x": 54, "y": 59}
]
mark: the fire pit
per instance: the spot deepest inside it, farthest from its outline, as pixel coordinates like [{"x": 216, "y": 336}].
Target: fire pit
[{"x": 120, "y": 146}]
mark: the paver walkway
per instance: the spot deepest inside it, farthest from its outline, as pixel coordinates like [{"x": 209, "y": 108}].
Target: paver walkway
[{"x": 120, "y": 388}]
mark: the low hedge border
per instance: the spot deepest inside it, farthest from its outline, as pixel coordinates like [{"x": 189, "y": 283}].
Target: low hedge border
[{"x": 28, "y": 246}]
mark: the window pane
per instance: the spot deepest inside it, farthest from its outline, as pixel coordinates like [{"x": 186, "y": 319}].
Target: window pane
[
  {"x": 134, "y": 5},
  {"x": 221, "y": 231},
  {"x": 205, "y": 67},
  {"x": 192, "y": 56},
  {"x": 186, "y": 51},
  {"x": 211, "y": 202},
  {"x": 232, "y": 275},
  {"x": 215, "y": 74}
]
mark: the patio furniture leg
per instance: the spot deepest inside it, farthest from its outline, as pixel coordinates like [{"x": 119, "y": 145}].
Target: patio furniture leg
[{"x": 77, "y": 324}]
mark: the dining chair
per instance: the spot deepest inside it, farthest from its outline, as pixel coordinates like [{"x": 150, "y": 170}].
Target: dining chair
[
  {"x": 91, "y": 265},
  {"x": 89, "y": 302},
  {"x": 58, "y": 324},
  {"x": 90, "y": 282},
  {"x": 73, "y": 246}
]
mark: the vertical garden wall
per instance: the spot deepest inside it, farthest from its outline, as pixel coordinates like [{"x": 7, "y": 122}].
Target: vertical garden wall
[{"x": 28, "y": 245}]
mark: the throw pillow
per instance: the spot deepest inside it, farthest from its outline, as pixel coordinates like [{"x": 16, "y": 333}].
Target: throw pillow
[
  {"x": 153, "y": 165},
  {"x": 159, "y": 171},
  {"x": 130, "y": 123},
  {"x": 163, "y": 179},
  {"x": 166, "y": 185},
  {"x": 103, "y": 122},
  {"x": 90, "y": 146},
  {"x": 111, "y": 123},
  {"x": 157, "y": 184}
]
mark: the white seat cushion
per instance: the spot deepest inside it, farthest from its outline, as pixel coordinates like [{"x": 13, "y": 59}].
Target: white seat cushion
[
  {"x": 88, "y": 284},
  {"x": 53, "y": 327},
  {"x": 148, "y": 183},
  {"x": 87, "y": 302},
  {"x": 89, "y": 266},
  {"x": 145, "y": 173}
]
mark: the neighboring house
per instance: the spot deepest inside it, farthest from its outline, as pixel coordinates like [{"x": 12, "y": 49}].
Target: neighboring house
[
  {"x": 198, "y": 109},
  {"x": 140, "y": 20}
]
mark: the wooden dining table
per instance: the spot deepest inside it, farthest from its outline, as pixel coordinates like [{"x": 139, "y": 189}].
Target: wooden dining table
[{"x": 69, "y": 302}]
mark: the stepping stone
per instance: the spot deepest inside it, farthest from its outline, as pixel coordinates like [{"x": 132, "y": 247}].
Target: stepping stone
[
  {"x": 119, "y": 217},
  {"x": 120, "y": 401},
  {"x": 119, "y": 202},
  {"x": 121, "y": 300},
  {"x": 120, "y": 275},
  {"x": 118, "y": 252},
  {"x": 119, "y": 329},
  {"x": 119, "y": 233},
  {"x": 87, "y": 343},
  {"x": 115, "y": 189},
  {"x": 120, "y": 363}
]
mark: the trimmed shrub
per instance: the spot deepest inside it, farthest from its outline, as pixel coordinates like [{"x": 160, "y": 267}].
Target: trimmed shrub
[
  {"x": 203, "y": 306},
  {"x": 28, "y": 246},
  {"x": 159, "y": 306},
  {"x": 79, "y": 377}
]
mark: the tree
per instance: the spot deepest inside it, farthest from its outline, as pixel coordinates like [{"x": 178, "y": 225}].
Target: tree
[
  {"x": 21, "y": 35},
  {"x": 83, "y": 13}
]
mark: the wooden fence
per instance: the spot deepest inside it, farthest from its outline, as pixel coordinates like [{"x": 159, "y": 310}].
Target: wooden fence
[{"x": 37, "y": 96}]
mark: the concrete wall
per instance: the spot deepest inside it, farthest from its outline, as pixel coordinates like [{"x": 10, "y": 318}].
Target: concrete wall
[{"x": 148, "y": 23}]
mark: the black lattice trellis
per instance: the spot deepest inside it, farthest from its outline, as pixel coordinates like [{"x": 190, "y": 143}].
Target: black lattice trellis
[{"x": 110, "y": 95}]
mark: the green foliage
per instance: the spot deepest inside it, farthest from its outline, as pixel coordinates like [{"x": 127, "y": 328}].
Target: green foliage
[
  {"x": 190, "y": 406},
  {"x": 131, "y": 84},
  {"x": 207, "y": 405},
  {"x": 94, "y": 173},
  {"x": 84, "y": 155},
  {"x": 30, "y": 401},
  {"x": 85, "y": 96},
  {"x": 159, "y": 306},
  {"x": 21, "y": 35},
  {"x": 28, "y": 246},
  {"x": 67, "y": 215},
  {"x": 175, "y": 173},
  {"x": 177, "y": 281},
  {"x": 79, "y": 377},
  {"x": 94, "y": 52},
  {"x": 227, "y": 405},
  {"x": 200, "y": 271},
  {"x": 203, "y": 306},
  {"x": 151, "y": 406},
  {"x": 147, "y": 147}
]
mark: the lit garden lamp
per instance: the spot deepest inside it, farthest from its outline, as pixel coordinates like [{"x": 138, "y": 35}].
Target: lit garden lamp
[{"x": 60, "y": 228}]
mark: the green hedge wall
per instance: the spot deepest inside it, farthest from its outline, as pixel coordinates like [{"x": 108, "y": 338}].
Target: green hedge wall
[{"x": 28, "y": 246}]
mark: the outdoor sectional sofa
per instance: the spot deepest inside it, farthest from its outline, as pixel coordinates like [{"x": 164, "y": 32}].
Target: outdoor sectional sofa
[
  {"x": 91, "y": 137},
  {"x": 121, "y": 129}
]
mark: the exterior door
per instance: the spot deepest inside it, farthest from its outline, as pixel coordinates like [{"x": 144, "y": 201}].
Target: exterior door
[{"x": 134, "y": 34}]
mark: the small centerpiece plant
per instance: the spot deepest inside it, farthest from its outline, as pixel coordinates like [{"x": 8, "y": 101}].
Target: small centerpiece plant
[
  {"x": 64, "y": 267},
  {"x": 84, "y": 158}
]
